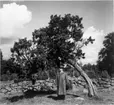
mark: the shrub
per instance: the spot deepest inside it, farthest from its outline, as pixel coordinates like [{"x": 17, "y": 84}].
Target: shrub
[
  {"x": 69, "y": 85},
  {"x": 41, "y": 75},
  {"x": 52, "y": 73},
  {"x": 104, "y": 74},
  {"x": 5, "y": 77},
  {"x": 13, "y": 76},
  {"x": 91, "y": 74}
]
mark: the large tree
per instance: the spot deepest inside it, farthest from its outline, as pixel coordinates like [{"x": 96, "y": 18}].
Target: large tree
[
  {"x": 106, "y": 55},
  {"x": 57, "y": 44},
  {"x": 62, "y": 41}
]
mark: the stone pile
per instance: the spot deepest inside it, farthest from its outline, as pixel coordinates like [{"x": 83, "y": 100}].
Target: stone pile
[
  {"x": 106, "y": 83},
  {"x": 112, "y": 82},
  {"x": 79, "y": 82},
  {"x": 43, "y": 85}
]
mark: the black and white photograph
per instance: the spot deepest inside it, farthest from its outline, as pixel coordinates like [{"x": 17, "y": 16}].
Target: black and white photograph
[{"x": 57, "y": 52}]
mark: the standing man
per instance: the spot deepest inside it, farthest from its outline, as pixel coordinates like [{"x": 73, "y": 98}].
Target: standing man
[{"x": 62, "y": 80}]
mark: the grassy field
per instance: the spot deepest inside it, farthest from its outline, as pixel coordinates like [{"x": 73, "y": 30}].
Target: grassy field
[{"x": 46, "y": 98}]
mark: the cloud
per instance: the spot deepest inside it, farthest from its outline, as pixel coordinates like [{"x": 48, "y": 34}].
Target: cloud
[
  {"x": 13, "y": 17},
  {"x": 91, "y": 50},
  {"x": 8, "y": 40}
]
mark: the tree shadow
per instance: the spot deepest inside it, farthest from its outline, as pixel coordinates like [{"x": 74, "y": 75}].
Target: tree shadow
[
  {"x": 53, "y": 97},
  {"x": 14, "y": 98},
  {"x": 74, "y": 95},
  {"x": 57, "y": 98},
  {"x": 30, "y": 94}
]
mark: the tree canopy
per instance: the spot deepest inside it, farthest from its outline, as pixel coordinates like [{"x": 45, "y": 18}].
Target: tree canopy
[
  {"x": 53, "y": 45},
  {"x": 56, "y": 39}
]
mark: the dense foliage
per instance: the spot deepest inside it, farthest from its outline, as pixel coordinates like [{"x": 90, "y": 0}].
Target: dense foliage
[
  {"x": 92, "y": 70},
  {"x": 106, "y": 55}
]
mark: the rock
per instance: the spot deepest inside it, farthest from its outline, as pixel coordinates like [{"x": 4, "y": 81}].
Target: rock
[
  {"x": 37, "y": 88},
  {"x": 49, "y": 84},
  {"x": 40, "y": 81},
  {"x": 37, "y": 83},
  {"x": 20, "y": 83},
  {"x": 8, "y": 88},
  {"x": 9, "y": 92},
  {"x": 19, "y": 87},
  {"x": 105, "y": 79},
  {"x": 74, "y": 89},
  {"x": 24, "y": 82},
  {"x": 85, "y": 91},
  {"x": 24, "y": 90},
  {"x": 80, "y": 98},
  {"x": 26, "y": 86},
  {"x": 4, "y": 91},
  {"x": 30, "y": 87},
  {"x": 112, "y": 81},
  {"x": 54, "y": 88},
  {"x": 19, "y": 91},
  {"x": 14, "y": 91},
  {"x": 14, "y": 85}
]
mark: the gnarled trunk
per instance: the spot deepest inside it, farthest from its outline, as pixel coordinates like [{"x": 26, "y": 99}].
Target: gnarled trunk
[{"x": 92, "y": 89}]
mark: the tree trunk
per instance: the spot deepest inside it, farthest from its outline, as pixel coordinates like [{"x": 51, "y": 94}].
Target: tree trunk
[{"x": 92, "y": 89}]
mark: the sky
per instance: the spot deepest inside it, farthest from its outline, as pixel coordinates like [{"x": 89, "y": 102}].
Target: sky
[{"x": 18, "y": 19}]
